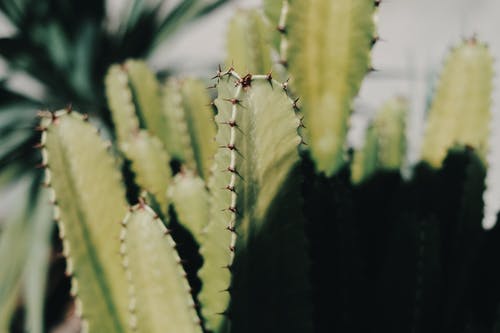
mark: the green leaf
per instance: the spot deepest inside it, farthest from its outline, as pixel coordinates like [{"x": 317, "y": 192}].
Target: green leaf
[
  {"x": 460, "y": 112},
  {"x": 160, "y": 299},
  {"x": 329, "y": 54},
  {"x": 90, "y": 203},
  {"x": 150, "y": 164},
  {"x": 254, "y": 200}
]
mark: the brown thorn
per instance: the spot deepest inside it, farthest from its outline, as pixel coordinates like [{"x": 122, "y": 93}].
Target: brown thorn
[
  {"x": 39, "y": 145},
  {"x": 281, "y": 29},
  {"x": 85, "y": 117},
  {"x": 41, "y": 166},
  {"x": 69, "y": 108},
  {"x": 40, "y": 128}
]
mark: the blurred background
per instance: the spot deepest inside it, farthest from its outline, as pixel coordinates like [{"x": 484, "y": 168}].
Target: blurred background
[{"x": 49, "y": 58}]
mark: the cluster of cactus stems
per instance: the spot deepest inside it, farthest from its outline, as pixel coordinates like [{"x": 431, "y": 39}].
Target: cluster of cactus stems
[{"x": 296, "y": 235}]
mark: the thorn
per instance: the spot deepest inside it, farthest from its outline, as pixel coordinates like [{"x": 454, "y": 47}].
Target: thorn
[
  {"x": 302, "y": 142},
  {"x": 38, "y": 145},
  {"x": 269, "y": 77},
  {"x": 284, "y": 85},
  {"x": 283, "y": 62},
  {"x": 233, "y": 210},
  {"x": 230, "y": 188},
  {"x": 374, "y": 40},
  {"x": 213, "y": 86},
  {"x": 377, "y": 3},
  {"x": 219, "y": 73},
  {"x": 372, "y": 69},
  {"x": 85, "y": 117},
  {"x": 295, "y": 106},
  {"x": 281, "y": 29},
  {"x": 166, "y": 232},
  {"x": 231, "y": 228},
  {"x": 69, "y": 108},
  {"x": 45, "y": 184},
  {"x": 232, "y": 248},
  {"x": 41, "y": 166},
  {"x": 233, "y": 101},
  {"x": 301, "y": 122},
  {"x": 228, "y": 267},
  {"x": 40, "y": 128},
  {"x": 245, "y": 81},
  {"x": 225, "y": 313},
  {"x": 231, "y": 123}
]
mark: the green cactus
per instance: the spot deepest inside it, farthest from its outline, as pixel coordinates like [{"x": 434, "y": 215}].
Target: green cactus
[
  {"x": 258, "y": 139},
  {"x": 286, "y": 237},
  {"x": 150, "y": 164},
  {"x": 186, "y": 106},
  {"x": 385, "y": 143},
  {"x": 190, "y": 199},
  {"x": 248, "y": 49},
  {"x": 460, "y": 112},
  {"x": 329, "y": 54},
  {"x": 159, "y": 295},
  {"x": 90, "y": 201}
]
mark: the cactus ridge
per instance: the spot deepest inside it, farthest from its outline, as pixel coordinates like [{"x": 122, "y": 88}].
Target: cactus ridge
[
  {"x": 80, "y": 233},
  {"x": 169, "y": 298},
  {"x": 247, "y": 182}
]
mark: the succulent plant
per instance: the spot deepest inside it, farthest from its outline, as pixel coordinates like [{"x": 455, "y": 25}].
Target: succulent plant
[{"x": 294, "y": 234}]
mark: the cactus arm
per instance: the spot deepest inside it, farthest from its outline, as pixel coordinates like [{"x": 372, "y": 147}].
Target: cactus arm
[
  {"x": 190, "y": 199},
  {"x": 391, "y": 134},
  {"x": 248, "y": 50},
  {"x": 120, "y": 102},
  {"x": 364, "y": 162},
  {"x": 146, "y": 91},
  {"x": 176, "y": 136},
  {"x": 258, "y": 136},
  {"x": 277, "y": 14},
  {"x": 199, "y": 119},
  {"x": 329, "y": 54},
  {"x": 150, "y": 164},
  {"x": 460, "y": 111},
  {"x": 90, "y": 201},
  {"x": 160, "y": 299}
]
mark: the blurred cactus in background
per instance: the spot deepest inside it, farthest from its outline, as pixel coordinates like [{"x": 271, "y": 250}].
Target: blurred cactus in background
[{"x": 250, "y": 213}]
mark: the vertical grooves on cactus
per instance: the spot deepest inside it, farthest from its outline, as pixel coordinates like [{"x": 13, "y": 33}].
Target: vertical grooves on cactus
[
  {"x": 282, "y": 27},
  {"x": 120, "y": 102},
  {"x": 247, "y": 44},
  {"x": 258, "y": 153},
  {"x": 76, "y": 211},
  {"x": 329, "y": 48},
  {"x": 158, "y": 290},
  {"x": 460, "y": 111}
]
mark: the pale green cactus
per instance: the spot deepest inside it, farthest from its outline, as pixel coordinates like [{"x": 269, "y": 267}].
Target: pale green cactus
[
  {"x": 329, "y": 55},
  {"x": 248, "y": 49},
  {"x": 460, "y": 112},
  {"x": 90, "y": 201},
  {"x": 384, "y": 148},
  {"x": 253, "y": 168}
]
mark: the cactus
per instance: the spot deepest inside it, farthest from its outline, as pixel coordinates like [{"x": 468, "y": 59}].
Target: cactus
[
  {"x": 329, "y": 45},
  {"x": 158, "y": 292},
  {"x": 251, "y": 172},
  {"x": 248, "y": 49},
  {"x": 460, "y": 112},
  {"x": 90, "y": 201},
  {"x": 385, "y": 143},
  {"x": 268, "y": 211}
]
